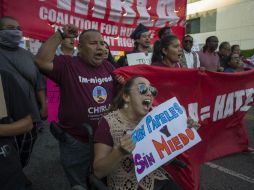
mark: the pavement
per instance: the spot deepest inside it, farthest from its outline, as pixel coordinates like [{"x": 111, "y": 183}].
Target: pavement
[
  {"x": 44, "y": 170},
  {"x": 235, "y": 172}
]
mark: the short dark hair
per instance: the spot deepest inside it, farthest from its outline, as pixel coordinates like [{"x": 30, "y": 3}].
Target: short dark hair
[
  {"x": 86, "y": 31},
  {"x": 206, "y": 42},
  {"x": 187, "y": 36},
  {"x": 159, "y": 45},
  {"x": 210, "y": 38},
  {"x": 234, "y": 46},
  {"x": 2, "y": 19},
  {"x": 162, "y": 31},
  {"x": 223, "y": 44},
  {"x": 228, "y": 59}
]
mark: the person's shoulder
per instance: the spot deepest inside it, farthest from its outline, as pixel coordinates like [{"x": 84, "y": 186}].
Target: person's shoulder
[
  {"x": 111, "y": 115},
  {"x": 108, "y": 65},
  {"x": 8, "y": 78},
  {"x": 25, "y": 51}
]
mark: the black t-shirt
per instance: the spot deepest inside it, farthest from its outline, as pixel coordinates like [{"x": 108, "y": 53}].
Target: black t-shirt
[{"x": 11, "y": 174}]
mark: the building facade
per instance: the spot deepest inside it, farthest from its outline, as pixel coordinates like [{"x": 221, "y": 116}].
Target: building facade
[{"x": 229, "y": 20}]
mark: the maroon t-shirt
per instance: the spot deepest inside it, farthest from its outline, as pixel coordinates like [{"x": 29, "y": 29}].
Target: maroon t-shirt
[
  {"x": 85, "y": 91},
  {"x": 102, "y": 134}
]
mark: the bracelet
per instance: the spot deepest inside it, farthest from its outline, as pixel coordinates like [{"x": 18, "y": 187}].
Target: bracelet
[{"x": 61, "y": 32}]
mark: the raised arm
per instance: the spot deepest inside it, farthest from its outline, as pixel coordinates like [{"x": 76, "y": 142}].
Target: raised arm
[{"x": 45, "y": 55}]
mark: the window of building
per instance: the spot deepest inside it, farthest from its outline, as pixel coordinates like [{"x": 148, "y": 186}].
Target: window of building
[
  {"x": 193, "y": 26},
  {"x": 201, "y": 22},
  {"x": 208, "y": 21}
]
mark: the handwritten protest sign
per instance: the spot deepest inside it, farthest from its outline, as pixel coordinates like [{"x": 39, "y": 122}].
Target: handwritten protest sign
[
  {"x": 3, "y": 110},
  {"x": 161, "y": 136},
  {"x": 139, "y": 58}
]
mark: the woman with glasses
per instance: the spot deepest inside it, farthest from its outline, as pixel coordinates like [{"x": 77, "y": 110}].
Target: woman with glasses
[
  {"x": 113, "y": 143},
  {"x": 233, "y": 63}
]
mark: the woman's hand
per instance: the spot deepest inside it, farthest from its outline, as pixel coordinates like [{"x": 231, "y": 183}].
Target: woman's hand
[
  {"x": 192, "y": 124},
  {"x": 120, "y": 79},
  {"x": 126, "y": 144}
]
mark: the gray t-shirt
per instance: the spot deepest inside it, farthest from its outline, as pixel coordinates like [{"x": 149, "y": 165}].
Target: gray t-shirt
[{"x": 20, "y": 63}]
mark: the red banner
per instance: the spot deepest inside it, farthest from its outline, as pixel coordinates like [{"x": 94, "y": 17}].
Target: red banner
[
  {"x": 218, "y": 101},
  {"x": 115, "y": 19}
]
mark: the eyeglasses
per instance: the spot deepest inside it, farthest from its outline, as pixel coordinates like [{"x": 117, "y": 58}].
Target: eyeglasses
[
  {"x": 143, "y": 89},
  {"x": 186, "y": 41}
]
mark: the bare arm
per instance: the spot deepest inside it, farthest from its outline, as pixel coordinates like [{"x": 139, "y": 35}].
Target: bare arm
[
  {"x": 46, "y": 53},
  {"x": 107, "y": 158},
  {"x": 41, "y": 95},
  {"x": 16, "y": 128}
]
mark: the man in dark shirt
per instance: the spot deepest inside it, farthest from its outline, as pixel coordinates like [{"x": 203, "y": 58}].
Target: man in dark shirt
[
  {"x": 86, "y": 91},
  {"x": 19, "y": 62},
  {"x": 15, "y": 119}
]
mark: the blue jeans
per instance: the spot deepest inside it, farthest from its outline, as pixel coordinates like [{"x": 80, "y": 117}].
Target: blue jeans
[{"x": 75, "y": 159}]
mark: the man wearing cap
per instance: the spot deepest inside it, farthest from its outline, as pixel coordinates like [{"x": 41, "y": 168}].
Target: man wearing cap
[{"x": 141, "y": 37}]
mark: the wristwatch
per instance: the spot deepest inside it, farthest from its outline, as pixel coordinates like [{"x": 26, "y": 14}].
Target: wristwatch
[{"x": 61, "y": 32}]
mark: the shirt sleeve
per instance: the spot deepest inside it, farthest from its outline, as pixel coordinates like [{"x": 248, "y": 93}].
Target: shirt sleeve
[
  {"x": 60, "y": 64},
  {"x": 102, "y": 134}
]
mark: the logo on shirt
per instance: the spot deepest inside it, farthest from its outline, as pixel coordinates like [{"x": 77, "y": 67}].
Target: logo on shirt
[{"x": 99, "y": 94}]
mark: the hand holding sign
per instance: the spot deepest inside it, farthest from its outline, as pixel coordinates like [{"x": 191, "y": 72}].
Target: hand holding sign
[
  {"x": 167, "y": 132},
  {"x": 126, "y": 144},
  {"x": 192, "y": 124}
]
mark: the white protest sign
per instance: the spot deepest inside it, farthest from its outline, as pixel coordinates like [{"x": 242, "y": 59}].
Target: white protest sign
[
  {"x": 160, "y": 136},
  {"x": 3, "y": 110},
  {"x": 139, "y": 58}
]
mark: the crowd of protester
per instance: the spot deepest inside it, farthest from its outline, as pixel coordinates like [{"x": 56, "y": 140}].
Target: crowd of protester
[{"x": 87, "y": 88}]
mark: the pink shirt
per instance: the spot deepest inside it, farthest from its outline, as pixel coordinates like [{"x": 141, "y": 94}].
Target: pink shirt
[{"x": 210, "y": 61}]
